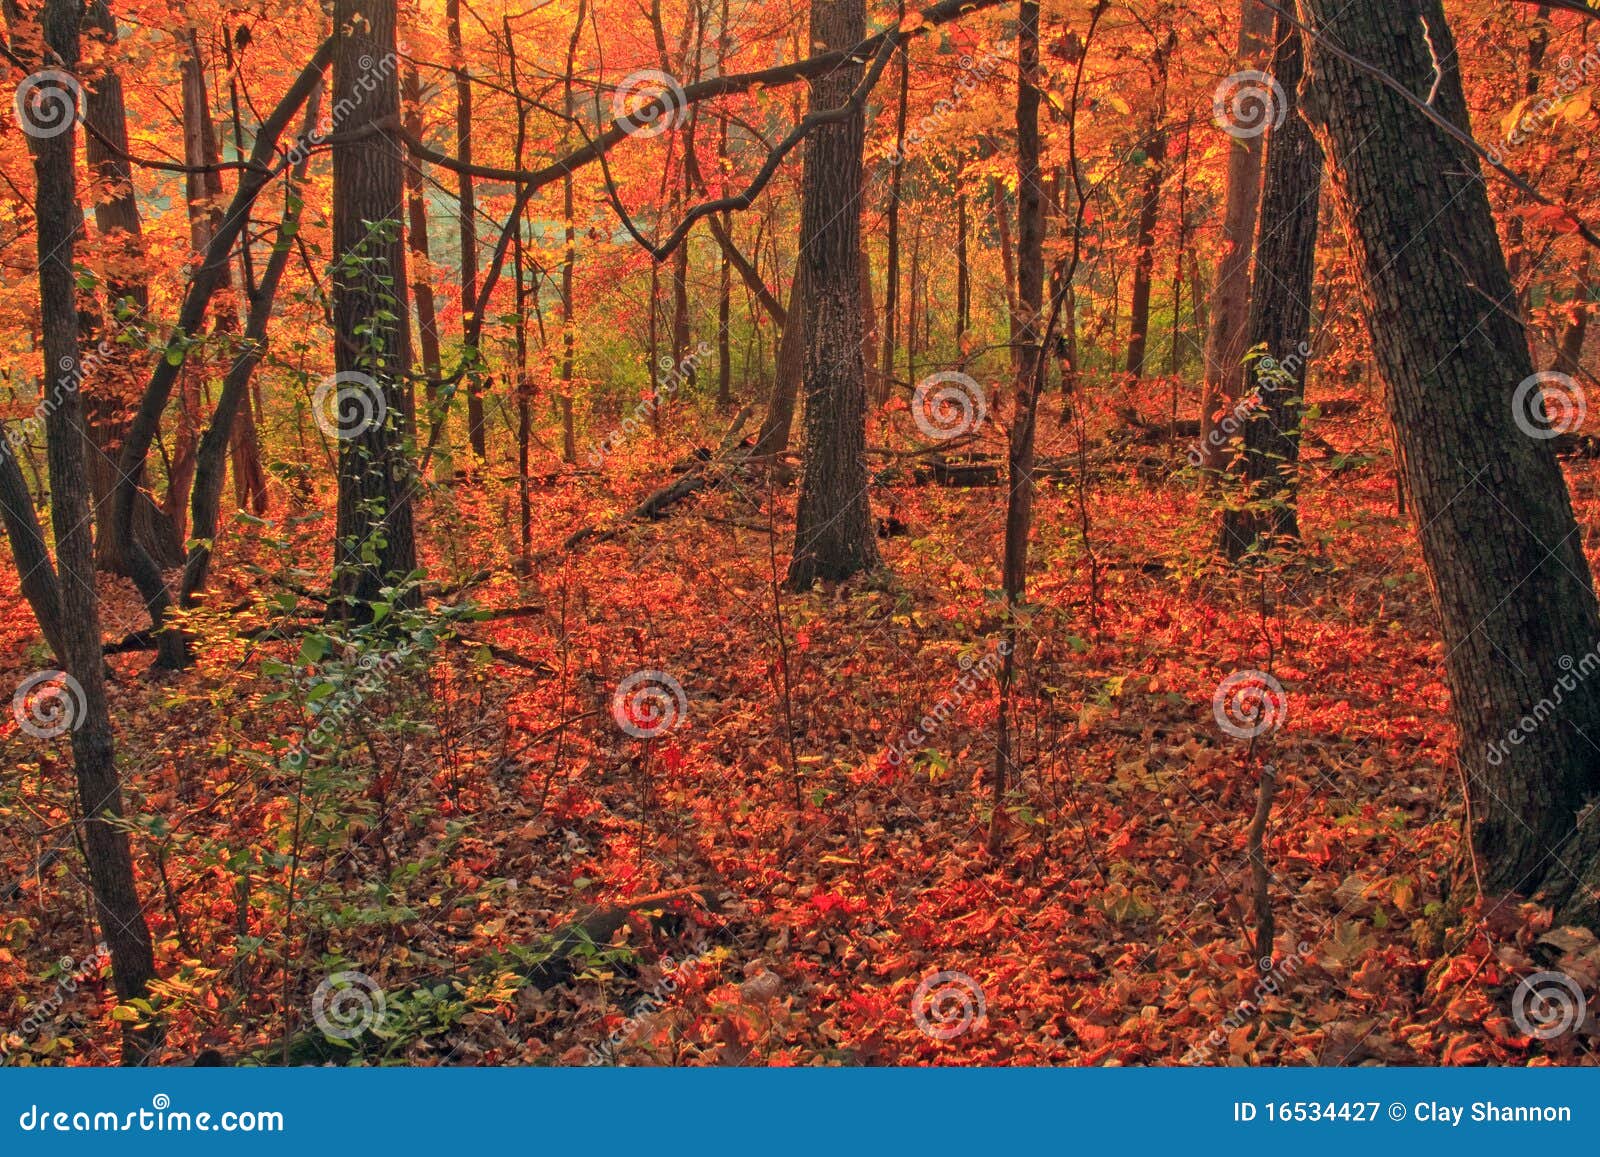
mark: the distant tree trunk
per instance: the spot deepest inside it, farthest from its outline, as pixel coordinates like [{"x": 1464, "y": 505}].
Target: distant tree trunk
[
  {"x": 869, "y": 324},
  {"x": 1027, "y": 332},
  {"x": 891, "y": 272},
  {"x": 1149, "y": 212},
  {"x": 375, "y": 545},
  {"x": 57, "y": 221},
  {"x": 422, "y": 284},
  {"x": 1000, "y": 206},
  {"x": 1280, "y": 319},
  {"x": 1230, "y": 289},
  {"x": 204, "y": 188},
  {"x": 468, "y": 219},
  {"x": 1569, "y": 354},
  {"x": 788, "y": 372},
  {"x": 833, "y": 527},
  {"x": 569, "y": 260},
  {"x": 1533, "y": 75},
  {"x": 1513, "y": 590},
  {"x": 234, "y": 400},
  {"x": 963, "y": 277},
  {"x": 116, "y": 216}
]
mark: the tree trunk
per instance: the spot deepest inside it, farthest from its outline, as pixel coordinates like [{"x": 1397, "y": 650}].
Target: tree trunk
[
  {"x": 1512, "y": 587},
  {"x": 105, "y": 839},
  {"x": 891, "y": 272},
  {"x": 116, "y": 217},
  {"x": 833, "y": 528},
  {"x": 1569, "y": 354},
  {"x": 1279, "y": 325},
  {"x": 1144, "y": 261},
  {"x": 468, "y": 221},
  {"x": 422, "y": 284},
  {"x": 1028, "y": 352},
  {"x": 1230, "y": 290},
  {"x": 234, "y": 400},
  {"x": 788, "y": 372},
  {"x": 375, "y": 546}
]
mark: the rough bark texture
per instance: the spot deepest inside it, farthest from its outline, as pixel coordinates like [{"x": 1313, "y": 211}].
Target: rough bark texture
[
  {"x": 375, "y": 544},
  {"x": 1280, "y": 319},
  {"x": 1514, "y": 594},
  {"x": 1230, "y": 291},
  {"x": 833, "y": 531},
  {"x": 105, "y": 841}
]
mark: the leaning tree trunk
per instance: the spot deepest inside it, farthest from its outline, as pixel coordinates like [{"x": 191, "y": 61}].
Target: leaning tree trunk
[
  {"x": 789, "y": 370},
  {"x": 1280, "y": 320},
  {"x": 87, "y": 713},
  {"x": 375, "y": 546},
  {"x": 1230, "y": 288},
  {"x": 833, "y": 528},
  {"x": 1513, "y": 590}
]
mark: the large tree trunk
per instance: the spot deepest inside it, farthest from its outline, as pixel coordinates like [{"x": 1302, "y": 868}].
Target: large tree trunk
[
  {"x": 833, "y": 528},
  {"x": 1230, "y": 289},
  {"x": 1280, "y": 320},
  {"x": 1513, "y": 590},
  {"x": 87, "y": 714},
  {"x": 375, "y": 545}
]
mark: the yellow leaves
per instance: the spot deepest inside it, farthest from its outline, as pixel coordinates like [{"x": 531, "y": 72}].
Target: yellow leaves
[
  {"x": 912, "y": 22},
  {"x": 1508, "y": 123},
  {"x": 1579, "y": 105}
]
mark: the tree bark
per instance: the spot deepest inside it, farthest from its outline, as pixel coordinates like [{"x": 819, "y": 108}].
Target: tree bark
[
  {"x": 1027, "y": 333},
  {"x": 1513, "y": 590},
  {"x": 1279, "y": 325},
  {"x": 1230, "y": 290},
  {"x": 375, "y": 544},
  {"x": 116, "y": 218},
  {"x": 467, "y": 219},
  {"x": 1149, "y": 212},
  {"x": 833, "y": 528},
  {"x": 105, "y": 841}
]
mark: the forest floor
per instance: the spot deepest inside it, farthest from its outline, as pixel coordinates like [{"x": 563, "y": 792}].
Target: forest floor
[{"x": 817, "y": 879}]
